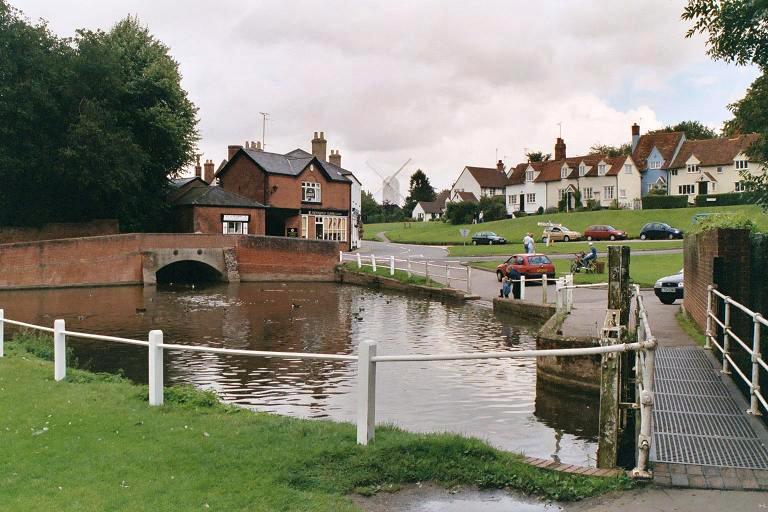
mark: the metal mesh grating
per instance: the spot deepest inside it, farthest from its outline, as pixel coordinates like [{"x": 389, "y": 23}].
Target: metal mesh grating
[
  {"x": 702, "y": 425},
  {"x": 666, "y": 373},
  {"x": 711, "y": 451},
  {"x": 691, "y": 387},
  {"x": 696, "y": 404}
]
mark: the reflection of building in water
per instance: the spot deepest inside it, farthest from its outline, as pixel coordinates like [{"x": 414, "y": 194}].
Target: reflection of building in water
[{"x": 576, "y": 413}]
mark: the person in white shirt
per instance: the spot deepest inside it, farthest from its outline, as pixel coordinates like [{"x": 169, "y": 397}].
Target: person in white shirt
[{"x": 528, "y": 243}]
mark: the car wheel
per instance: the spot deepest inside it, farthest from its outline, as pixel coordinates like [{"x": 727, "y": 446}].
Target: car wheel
[
  {"x": 499, "y": 275},
  {"x": 667, "y": 300},
  {"x": 613, "y": 238},
  {"x": 474, "y": 242},
  {"x": 671, "y": 236},
  {"x": 643, "y": 236},
  {"x": 566, "y": 238},
  {"x": 589, "y": 238}
]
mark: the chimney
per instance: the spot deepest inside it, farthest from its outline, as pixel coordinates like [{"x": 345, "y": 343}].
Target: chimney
[
  {"x": 560, "y": 149},
  {"x": 319, "y": 145},
  {"x": 256, "y": 146},
  {"x": 208, "y": 171},
  {"x": 335, "y": 158},
  {"x": 500, "y": 166},
  {"x": 198, "y": 169},
  {"x": 231, "y": 150},
  {"x": 635, "y": 135}
]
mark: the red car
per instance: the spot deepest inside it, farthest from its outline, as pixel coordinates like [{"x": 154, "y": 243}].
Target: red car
[
  {"x": 529, "y": 265},
  {"x": 603, "y": 232}
]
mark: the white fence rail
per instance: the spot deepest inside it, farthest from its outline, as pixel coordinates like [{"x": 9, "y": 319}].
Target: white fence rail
[
  {"x": 437, "y": 271},
  {"x": 367, "y": 358},
  {"x": 644, "y": 384},
  {"x": 756, "y": 398}
]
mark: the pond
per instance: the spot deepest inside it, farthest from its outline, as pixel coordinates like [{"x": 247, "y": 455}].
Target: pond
[{"x": 496, "y": 400}]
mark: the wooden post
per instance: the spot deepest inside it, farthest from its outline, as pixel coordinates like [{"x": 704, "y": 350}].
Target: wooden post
[{"x": 616, "y": 321}]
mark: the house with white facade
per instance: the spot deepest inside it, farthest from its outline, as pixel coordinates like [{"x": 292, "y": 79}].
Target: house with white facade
[
  {"x": 712, "y": 166},
  {"x": 425, "y": 211},
  {"x": 481, "y": 181},
  {"x": 524, "y": 193}
]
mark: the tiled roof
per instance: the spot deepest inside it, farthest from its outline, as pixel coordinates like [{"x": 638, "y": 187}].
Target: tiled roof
[
  {"x": 516, "y": 175},
  {"x": 467, "y": 197},
  {"x": 214, "y": 196},
  {"x": 719, "y": 151},
  {"x": 488, "y": 177},
  {"x": 291, "y": 164},
  {"x": 665, "y": 142},
  {"x": 180, "y": 182},
  {"x": 442, "y": 197},
  {"x": 431, "y": 206},
  {"x": 550, "y": 170}
]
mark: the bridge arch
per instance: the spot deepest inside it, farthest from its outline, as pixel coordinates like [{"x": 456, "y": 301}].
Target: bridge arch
[
  {"x": 187, "y": 271},
  {"x": 189, "y": 265}
]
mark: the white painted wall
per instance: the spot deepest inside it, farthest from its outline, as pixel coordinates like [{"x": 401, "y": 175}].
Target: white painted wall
[
  {"x": 355, "y": 213},
  {"x": 466, "y": 183}
]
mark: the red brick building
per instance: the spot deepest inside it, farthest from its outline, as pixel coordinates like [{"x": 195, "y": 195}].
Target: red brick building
[{"x": 305, "y": 195}]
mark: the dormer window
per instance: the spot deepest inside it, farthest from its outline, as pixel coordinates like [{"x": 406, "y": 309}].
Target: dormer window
[
  {"x": 582, "y": 170},
  {"x": 693, "y": 168},
  {"x": 741, "y": 164},
  {"x": 563, "y": 173},
  {"x": 601, "y": 170},
  {"x": 528, "y": 175},
  {"x": 654, "y": 164},
  {"x": 627, "y": 168}
]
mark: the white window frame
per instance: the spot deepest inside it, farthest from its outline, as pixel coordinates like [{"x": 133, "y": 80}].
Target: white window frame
[
  {"x": 587, "y": 193},
  {"x": 306, "y": 187},
  {"x": 693, "y": 168},
  {"x": 720, "y": 169},
  {"x": 627, "y": 168},
  {"x": 305, "y": 226},
  {"x": 608, "y": 191},
  {"x": 654, "y": 164},
  {"x": 601, "y": 170},
  {"x": 673, "y": 172},
  {"x": 582, "y": 170},
  {"x": 686, "y": 190},
  {"x": 622, "y": 193},
  {"x": 741, "y": 164},
  {"x": 235, "y": 224},
  {"x": 530, "y": 198},
  {"x": 512, "y": 198},
  {"x": 739, "y": 187},
  {"x": 563, "y": 173},
  {"x": 528, "y": 175}
]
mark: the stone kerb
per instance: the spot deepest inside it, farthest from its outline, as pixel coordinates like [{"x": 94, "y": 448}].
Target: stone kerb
[{"x": 582, "y": 372}]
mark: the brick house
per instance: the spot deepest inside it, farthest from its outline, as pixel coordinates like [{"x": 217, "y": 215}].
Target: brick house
[{"x": 305, "y": 195}]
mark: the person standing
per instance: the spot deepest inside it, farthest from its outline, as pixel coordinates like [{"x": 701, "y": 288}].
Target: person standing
[
  {"x": 528, "y": 243},
  {"x": 514, "y": 277}
]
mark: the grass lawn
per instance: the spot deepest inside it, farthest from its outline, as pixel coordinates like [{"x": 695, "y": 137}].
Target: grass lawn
[
  {"x": 559, "y": 248},
  {"x": 644, "y": 269},
  {"x": 439, "y": 233},
  {"x": 382, "y": 269},
  {"x": 92, "y": 443},
  {"x": 690, "y": 327}
]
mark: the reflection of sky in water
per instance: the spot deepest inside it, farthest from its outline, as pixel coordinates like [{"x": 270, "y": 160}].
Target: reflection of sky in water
[{"x": 496, "y": 400}]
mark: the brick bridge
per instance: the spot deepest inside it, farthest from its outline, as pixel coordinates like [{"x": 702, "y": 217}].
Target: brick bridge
[{"x": 136, "y": 259}]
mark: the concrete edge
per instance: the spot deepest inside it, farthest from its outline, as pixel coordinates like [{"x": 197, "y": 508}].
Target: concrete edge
[
  {"x": 347, "y": 276},
  {"x": 519, "y": 307},
  {"x": 572, "y": 469}
]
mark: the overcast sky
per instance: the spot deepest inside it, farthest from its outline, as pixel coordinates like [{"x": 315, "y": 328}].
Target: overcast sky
[{"x": 445, "y": 83}]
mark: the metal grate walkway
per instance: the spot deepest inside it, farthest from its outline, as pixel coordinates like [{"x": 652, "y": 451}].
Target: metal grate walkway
[{"x": 695, "y": 418}]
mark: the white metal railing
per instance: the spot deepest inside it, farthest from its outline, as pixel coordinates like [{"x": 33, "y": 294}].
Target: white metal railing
[
  {"x": 366, "y": 359},
  {"x": 420, "y": 267},
  {"x": 756, "y": 398},
  {"x": 644, "y": 384}
]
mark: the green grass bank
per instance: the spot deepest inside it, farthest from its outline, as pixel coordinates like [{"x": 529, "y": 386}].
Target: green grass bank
[
  {"x": 382, "y": 270},
  {"x": 560, "y": 247},
  {"x": 631, "y": 221},
  {"x": 92, "y": 443}
]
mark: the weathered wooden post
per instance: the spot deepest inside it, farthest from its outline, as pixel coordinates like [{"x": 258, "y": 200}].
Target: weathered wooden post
[{"x": 614, "y": 329}]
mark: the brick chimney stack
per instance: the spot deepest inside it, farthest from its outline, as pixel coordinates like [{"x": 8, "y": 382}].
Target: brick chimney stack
[
  {"x": 198, "y": 169},
  {"x": 335, "y": 158},
  {"x": 208, "y": 171},
  {"x": 500, "y": 166},
  {"x": 319, "y": 146},
  {"x": 560, "y": 149},
  {"x": 231, "y": 150},
  {"x": 635, "y": 135}
]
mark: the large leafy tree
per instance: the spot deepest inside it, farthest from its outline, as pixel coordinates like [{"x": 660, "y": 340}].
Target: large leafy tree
[
  {"x": 694, "y": 130},
  {"x": 538, "y": 156},
  {"x": 420, "y": 189},
  {"x": 606, "y": 149},
  {"x": 106, "y": 124},
  {"x": 371, "y": 210}
]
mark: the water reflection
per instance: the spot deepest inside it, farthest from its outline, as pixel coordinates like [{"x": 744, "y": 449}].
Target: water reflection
[{"x": 492, "y": 399}]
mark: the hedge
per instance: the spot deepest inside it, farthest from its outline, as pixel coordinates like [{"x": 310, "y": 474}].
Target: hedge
[
  {"x": 728, "y": 199},
  {"x": 664, "y": 202}
]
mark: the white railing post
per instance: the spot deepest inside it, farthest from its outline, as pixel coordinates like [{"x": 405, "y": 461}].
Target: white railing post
[
  {"x": 447, "y": 275},
  {"x": 569, "y": 292},
  {"x": 59, "y": 350},
  {"x": 426, "y": 270},
  {"x": 341, "y": 256},
  {"x": 469, "y": 279},
  {"x": 754, "y": 406},
  {"x": 544, "y": 282},
  {"x": 2, "y": 332},
  {"x": 391, "y": 265},
  {"x": 726, "y": 340},
  {"x": 373, "y": 262},
  {"x": 359, "y": 261},
  {"x": 559, "y": 294},
  {"x": 522, "y": 287},
  {"x": 708, "y": 332},
  {"x": 155, "y": 368},
  {"x": 366, "y": 394}
]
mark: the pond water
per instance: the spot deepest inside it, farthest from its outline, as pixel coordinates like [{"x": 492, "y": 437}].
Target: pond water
[{"x": 496, "y": 400}]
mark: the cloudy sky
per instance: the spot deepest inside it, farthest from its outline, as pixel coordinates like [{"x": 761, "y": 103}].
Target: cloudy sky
[{"x": 446, "y": 83}]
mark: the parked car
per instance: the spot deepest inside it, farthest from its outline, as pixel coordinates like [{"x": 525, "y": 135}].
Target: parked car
[
  {"x": 604, "y": 232},
  {"x": 658, "y": 230},
  {"x": 530, "y": 265},
  {"x": 669, "y": 289},
  {"x": 488, "y": 238},
  {"x": 559, "y": 234}
]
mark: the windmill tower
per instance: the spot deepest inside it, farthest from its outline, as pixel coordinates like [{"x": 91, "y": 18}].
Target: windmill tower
[{"x": 390, "y": 186}]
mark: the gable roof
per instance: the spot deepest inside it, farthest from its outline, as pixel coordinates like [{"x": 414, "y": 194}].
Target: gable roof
[
  {"x": 180, "y": 182},
  {"x": 720, "y": 151},
  {"x": 431, "y": 206},
  {"x": 488, "y": 177},
  {"x": 292, "y": 163},
  {"x": 516, "y": 174},
  {"x": 214, "y": 196},
  {"x": 467, "y": 197},
  {"x": 442, "y": 197},
  {"x": 664, "y": 142},
  {"x": 550, "y": 170}
]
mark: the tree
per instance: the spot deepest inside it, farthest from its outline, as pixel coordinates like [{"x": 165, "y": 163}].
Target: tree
[
  {"x": 371, "y": 211},
  {"x": 538, "y": 156},
  {"x": 462, "y": 212},
  {"x": 93, "y": 127},
  {"x": 493, "y": 208},
  {"x": 693, "y": 130},
  {"x": 419, "y": 190},
  {"x": 605, "y": 149}
]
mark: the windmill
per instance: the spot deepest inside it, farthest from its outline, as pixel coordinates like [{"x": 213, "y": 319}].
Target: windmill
[{"x": 390, "y": 187}]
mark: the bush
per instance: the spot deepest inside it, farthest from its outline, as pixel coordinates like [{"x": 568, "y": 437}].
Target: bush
[
  {"x": 664, "y": 202},
  {"x": 725, "y": 220},
  {"x": 493, "y": 208},
  {"x": 728, "y": 199},
  {"x": 551, "y": 209},
  {"x": 593, "y": 205},
  {"x": 461, "y": 213},
  {"x": 540, "y": 211},
  {"x": 521, "y": 213}
]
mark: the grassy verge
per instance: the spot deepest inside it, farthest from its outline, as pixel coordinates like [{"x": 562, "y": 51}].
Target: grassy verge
[
  {"x": 439, "y": 233},
  {"x": 92, "y": 442},
  {"x": 690, "y": 327},
  {"x": 643, "y": 269},
  {"x": 559, "y": 248},
  {"x": 400, "y": 275}
]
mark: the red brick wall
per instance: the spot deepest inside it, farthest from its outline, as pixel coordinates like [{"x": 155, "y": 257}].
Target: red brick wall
[
  {"x": 117, "y": 259},
  {"x": 207, "y": 219},
  {"x": 54, "y": 231},
  {"x": 245, "y": 178}
]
